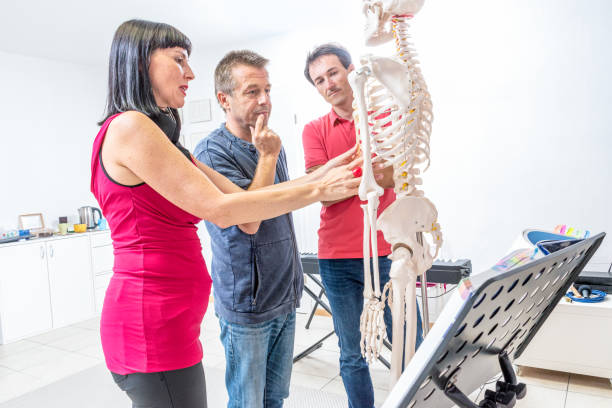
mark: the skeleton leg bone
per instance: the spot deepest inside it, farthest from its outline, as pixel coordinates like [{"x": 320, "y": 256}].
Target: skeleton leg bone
[
  {"x": 400, "y": 223},
  {"x": 411, "y": 317},
  {"x": 399, "y": 280}
]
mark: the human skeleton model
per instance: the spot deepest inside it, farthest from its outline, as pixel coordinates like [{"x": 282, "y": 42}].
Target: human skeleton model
[{"x": 393, "y": 116}]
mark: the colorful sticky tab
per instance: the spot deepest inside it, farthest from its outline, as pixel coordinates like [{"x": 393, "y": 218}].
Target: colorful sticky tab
[{"x": 465, "y": 288}]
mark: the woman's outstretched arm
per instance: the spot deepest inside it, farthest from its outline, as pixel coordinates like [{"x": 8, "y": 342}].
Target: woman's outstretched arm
[{"x": 136, "y": 149}]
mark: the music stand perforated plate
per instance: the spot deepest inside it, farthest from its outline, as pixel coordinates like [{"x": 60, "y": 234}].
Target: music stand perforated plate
[{"x": 490, "y": 313}]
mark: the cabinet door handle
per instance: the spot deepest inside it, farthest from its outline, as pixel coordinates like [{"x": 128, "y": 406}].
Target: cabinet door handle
[
  {"x": 51, "y": 252},
  {"x": 42, "y": 252}
]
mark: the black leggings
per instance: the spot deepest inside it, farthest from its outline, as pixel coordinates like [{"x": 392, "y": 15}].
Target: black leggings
[{"x": 184, "y": 388}]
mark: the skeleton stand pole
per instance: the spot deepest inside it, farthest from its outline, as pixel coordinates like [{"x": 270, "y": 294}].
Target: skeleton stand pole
[{"x": 424, "y": 300}]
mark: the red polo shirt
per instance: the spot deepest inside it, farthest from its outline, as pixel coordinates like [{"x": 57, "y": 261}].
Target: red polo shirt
[{"x": 341, "y": 228}]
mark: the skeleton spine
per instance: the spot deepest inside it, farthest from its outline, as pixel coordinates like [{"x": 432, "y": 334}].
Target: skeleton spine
[{"x": 416, "y": 148}]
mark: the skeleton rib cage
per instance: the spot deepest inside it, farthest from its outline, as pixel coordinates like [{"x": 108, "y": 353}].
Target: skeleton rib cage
[{"x": 400, "y": 135}]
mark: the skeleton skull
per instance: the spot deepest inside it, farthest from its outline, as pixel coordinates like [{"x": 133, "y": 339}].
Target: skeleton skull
[{"x": 378, "y": 14}]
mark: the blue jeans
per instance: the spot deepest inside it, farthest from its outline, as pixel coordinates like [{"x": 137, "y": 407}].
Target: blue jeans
[
  {"x": 258, "y": 359},
  {"x": 343, "y": 282}
]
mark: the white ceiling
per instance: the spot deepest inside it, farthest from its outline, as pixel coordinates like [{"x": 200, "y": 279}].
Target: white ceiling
[{"x": 81, "y": 30}]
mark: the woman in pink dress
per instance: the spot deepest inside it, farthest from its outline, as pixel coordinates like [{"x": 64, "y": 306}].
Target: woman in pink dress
[{"x": 153, "y": 193}]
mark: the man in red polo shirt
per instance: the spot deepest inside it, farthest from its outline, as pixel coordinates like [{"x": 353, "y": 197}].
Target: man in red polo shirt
[{"x": 341, "y": 229}]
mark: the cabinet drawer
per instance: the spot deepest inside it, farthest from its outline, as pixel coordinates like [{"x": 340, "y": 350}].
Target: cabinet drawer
[
  {"x": 102, "y": 258},
  {"x": 101, "y": 239},
  {"x": 99, "y": 294},
  {"x": 101, "y": 281}
]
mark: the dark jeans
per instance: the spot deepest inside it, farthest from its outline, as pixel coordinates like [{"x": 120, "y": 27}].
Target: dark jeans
[
  {"x": 184, "y": 388},
  {"x": 343, "y": 282}
]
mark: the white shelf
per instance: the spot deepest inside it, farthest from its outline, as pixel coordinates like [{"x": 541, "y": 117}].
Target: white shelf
[{"x": 575, "y": 339}]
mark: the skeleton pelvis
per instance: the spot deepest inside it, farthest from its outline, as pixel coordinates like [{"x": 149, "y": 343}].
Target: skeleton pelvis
[{"x": 403, "y": 219}]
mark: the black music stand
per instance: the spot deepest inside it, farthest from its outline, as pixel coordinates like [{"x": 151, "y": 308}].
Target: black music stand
[
  {"x": 485, "y": 326},
  {"x": 310, "y": 266}
]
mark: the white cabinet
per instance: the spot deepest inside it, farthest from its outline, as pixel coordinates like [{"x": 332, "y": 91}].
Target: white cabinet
[
  {"x": 70, "y": 280},
  {"x": 102, "y": 259},
  {"x": 24, "y": 291},
  {"x": 49, "y": 283},
  {"x": 574, "y": 339}
]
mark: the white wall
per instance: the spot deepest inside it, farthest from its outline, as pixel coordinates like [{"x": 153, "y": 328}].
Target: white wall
[
  {"x": 48, "y": 112},
  {"x": 521, "y": 131},
  {"x": 521, "y": 99},
  {"x": 521, "y": 136}
]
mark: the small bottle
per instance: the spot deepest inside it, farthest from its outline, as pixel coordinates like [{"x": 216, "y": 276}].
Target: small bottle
[{"x": 63, "y": 225}]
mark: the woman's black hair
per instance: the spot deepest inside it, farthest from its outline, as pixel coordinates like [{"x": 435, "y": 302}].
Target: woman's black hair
[{"x": 129, "y": 85}]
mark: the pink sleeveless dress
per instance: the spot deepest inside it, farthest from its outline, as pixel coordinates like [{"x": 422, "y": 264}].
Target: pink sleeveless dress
[{"x": 159, "y": 290}]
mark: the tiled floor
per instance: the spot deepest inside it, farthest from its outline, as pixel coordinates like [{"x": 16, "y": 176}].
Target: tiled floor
[{"x": 32, "y": 363}]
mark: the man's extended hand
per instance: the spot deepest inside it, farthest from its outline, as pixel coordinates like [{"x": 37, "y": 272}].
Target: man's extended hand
[
  {"x": 264, "y": 139},
  {"x": 384, "y": 174}
]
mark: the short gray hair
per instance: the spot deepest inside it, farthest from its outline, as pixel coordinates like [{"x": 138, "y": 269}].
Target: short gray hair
[{"x": 224, "y": 80}]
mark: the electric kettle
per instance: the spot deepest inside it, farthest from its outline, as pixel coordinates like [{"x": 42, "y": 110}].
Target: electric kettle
[{"x": 87, "y": 216}]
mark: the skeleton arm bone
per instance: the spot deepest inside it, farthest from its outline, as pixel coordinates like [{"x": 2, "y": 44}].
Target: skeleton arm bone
[
  {"x": 368, "y": 292},
  {"x": 368, "y": 189},
  {"x": 372, "y": 213},
  {"x": 357, "y": 80}
]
